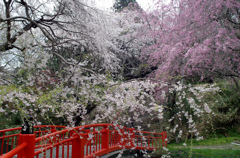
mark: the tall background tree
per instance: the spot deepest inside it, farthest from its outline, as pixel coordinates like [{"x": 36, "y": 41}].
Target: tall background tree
[
  {"x": 192, "y": 39},
  {"x": 119, "y": 5}
]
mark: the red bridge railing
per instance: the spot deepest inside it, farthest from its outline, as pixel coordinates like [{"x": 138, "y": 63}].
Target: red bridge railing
[{"x": 78, "y": 142}]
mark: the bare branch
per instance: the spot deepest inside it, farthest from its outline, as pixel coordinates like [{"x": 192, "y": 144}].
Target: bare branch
[
  {"x": 21, "y": 49},
  {"x": 7, "y": 46},
  {"x": 85, "y": 69},
  {"x": 26, "y": 7}
]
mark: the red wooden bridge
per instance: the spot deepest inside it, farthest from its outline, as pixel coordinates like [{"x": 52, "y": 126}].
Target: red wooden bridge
[{"x": 79, "y": 142}]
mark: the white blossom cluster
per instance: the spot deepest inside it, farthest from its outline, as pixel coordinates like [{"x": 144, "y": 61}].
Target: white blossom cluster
[{"x": 191, "y": 106}]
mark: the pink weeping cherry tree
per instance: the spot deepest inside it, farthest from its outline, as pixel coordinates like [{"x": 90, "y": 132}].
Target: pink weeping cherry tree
[{"x": 193, "y": 39}]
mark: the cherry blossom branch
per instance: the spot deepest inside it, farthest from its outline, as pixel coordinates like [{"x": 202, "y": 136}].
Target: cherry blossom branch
[{"x": 85, "y": 69}]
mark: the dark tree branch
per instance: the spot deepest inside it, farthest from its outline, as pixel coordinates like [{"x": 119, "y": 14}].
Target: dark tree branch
[
  {"x": 21, "y": 49},
  {"x": 43, "y": 24},
  {"x": 90, "y": 107},
  {"x": 33, "y": 24},
  {"x": 8, "y": 45},
  {"x": 7, "y": 5},
  {"x": 26, "y": 7}
]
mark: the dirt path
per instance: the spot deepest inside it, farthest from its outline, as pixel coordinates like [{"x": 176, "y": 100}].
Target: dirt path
[{"x": 229, "y": 146}]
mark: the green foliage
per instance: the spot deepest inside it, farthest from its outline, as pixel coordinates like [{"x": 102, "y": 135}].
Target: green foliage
[
  {"x": 227, "y": 107},
  {"x": 10, "y": 118},
  {"x": 184, "y": 153},
  {"x": 14, "y": 114},
  {"x": 6, "y": 122},
  {"x": 158, "y": 153}
]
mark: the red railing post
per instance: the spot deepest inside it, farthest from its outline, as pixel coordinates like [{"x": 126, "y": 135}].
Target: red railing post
[
  {"x": 88, "y": 143},
  {"x": 78, "y": 145},
  {"x": 123, "y": 141},
  {"x": 54, "y": 139},
  {"x": 119, "y": 137},
  {"x": 53, "y": 129},
  {"x": 105, "y": 139},
  {"x": 27, "y": 152},
  {"x": 164, "y": 138},
  {"x": 2, "y": 143},
  {"x": 71, "y": 133},
  {"x": 132, "y": 140}
]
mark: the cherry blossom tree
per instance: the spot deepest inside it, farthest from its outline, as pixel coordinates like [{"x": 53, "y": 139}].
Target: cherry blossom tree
[
  {"x": 193, "y": 39},
  {"x": 187, "y": 39},
  {"x": 36, "y": 34},
  {"x": 87, "y": 47},
  {"x": 57, "y": 25}
]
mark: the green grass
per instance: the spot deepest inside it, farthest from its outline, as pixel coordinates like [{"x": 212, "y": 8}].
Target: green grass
[
  {"x": 204, "y": 153},
  {"x": 225, "y": 149},
  {"x": 216, "y": 141},
  {"x": 208, "y": 142}
]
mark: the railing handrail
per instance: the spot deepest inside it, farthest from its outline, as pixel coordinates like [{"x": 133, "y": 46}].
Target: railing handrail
[
  {"x": 38, "y": 126},
  {"x": 10, "y": 129},
  {"x": 71, "y": 129},
  {"x": 50, "y": 135},
  {"x": 125, "y": 137},
  {"x": 84, "y": 127},
  {"x": 15, "y": 150}
]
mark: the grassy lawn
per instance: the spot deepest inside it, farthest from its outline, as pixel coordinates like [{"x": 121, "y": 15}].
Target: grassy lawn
[
  {"x": 208, "y": 148},
  {"x": 204, "y": 153},
  {"x": 208, "y": 142}
]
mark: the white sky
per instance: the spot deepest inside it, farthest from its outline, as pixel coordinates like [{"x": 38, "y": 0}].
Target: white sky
[{"x": 145, "y": 3}]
